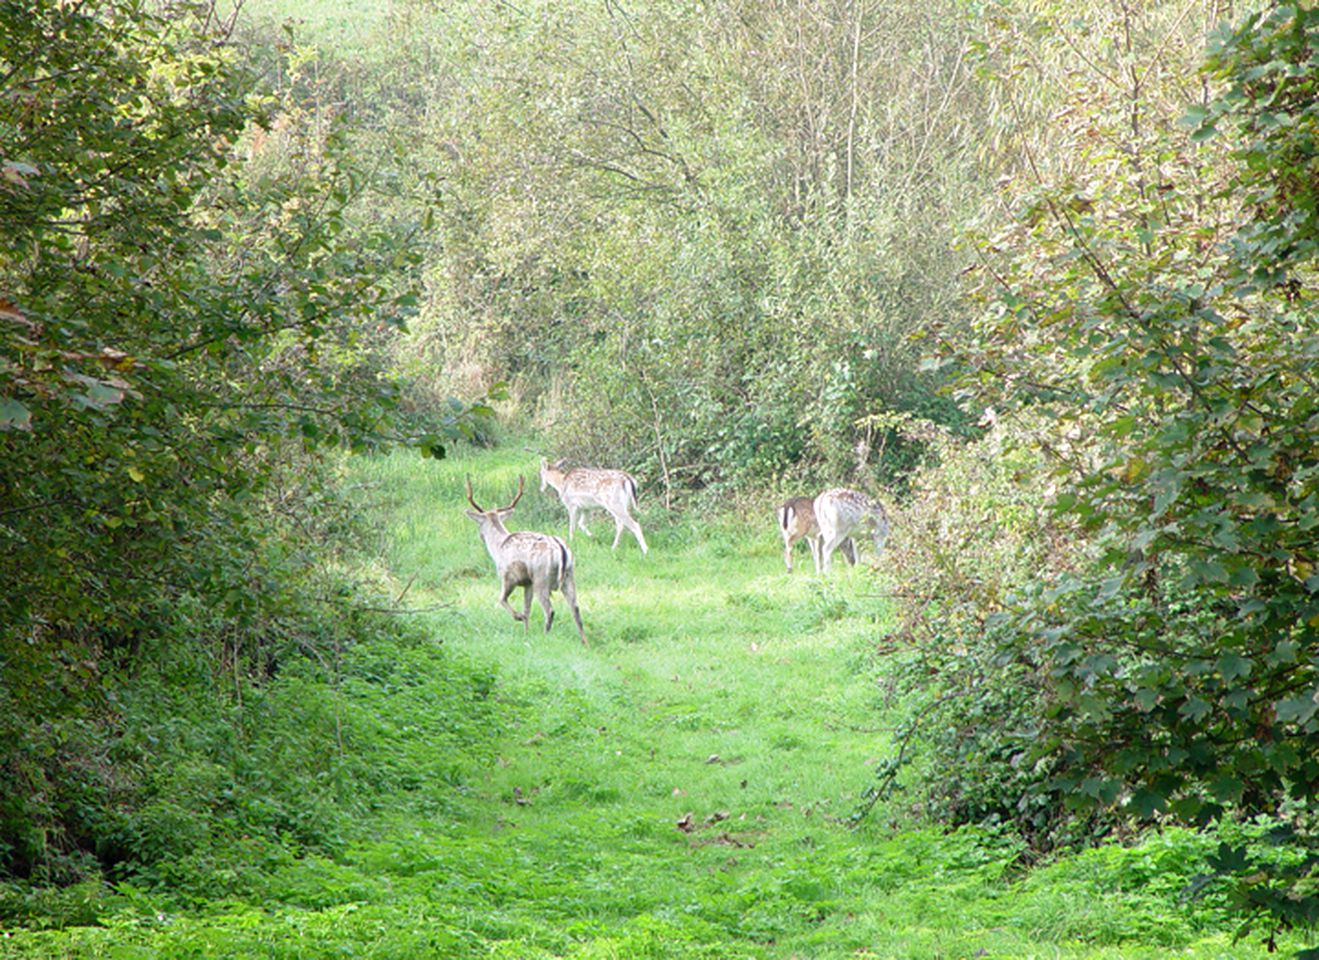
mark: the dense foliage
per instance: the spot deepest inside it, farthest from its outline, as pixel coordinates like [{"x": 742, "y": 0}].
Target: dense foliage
[
  {"x": 180, "y": 333},
  {"x": 1151, "y": 327},
  {"x": 686, "y": 262}
]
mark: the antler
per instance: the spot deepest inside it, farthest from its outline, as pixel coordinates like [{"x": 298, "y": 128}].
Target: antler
[
  {"x": 470, "y": 498},
  {"x": 522, "y": 482}
]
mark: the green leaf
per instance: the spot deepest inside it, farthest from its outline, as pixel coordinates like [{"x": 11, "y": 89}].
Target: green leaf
[
  {"x": 1233, "y": 666},
  {"x": 1226, "y": 787},
  {"x": 1147, "y": 802},
  {"x": 1228, "y": 859},
  {"x": 102, "y": 395},
  {"x": 1122, "y": 426},
  {"x": 1244, "y": 577},
  {"x": 13, "y": 415},
  {"x": 1208, "y": 571},
  {"x": 1146, "y": 699},
  {"x": 1296, "y": 709},
  {"x": 1238, "y": 699},
  {"x": 1103, "y": 789},
  {"x": 1110, "y": 588}
]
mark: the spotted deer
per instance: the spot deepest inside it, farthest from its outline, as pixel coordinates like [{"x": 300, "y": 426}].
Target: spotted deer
[
  {"x": 537, "y": 562},
  {"x": 839, "y": 512},
  {"x": 581, "y": 488},
  {"x": 797, "y": 522}
]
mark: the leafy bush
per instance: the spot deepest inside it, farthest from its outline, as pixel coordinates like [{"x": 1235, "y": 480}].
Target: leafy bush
[
  {"x": 1162, "y": 340},
  {"x": 682, "y": 284},
  {"x": 976, "y": 525},
  {"x": 185, "y": 327}
]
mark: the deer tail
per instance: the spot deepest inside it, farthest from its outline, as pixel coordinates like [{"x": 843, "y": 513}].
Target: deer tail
[
  {"x": 786, "y": 513},
  {"x": 565, "y": 564}
]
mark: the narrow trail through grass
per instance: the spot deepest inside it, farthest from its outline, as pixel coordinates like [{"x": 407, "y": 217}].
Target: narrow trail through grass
[{"x": 681, "y": 788}]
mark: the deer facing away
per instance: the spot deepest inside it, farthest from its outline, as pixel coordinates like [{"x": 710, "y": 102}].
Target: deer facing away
[
  {"x": 797, "y": 522},
  {"x": 840, "y": 512},
  {"x": 537, "y": 562},
  {"x": 581, "y": 488}
]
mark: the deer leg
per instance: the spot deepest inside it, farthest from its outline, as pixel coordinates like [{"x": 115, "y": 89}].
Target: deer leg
[
  {"x": 831, "y": 543},
  {"x": 827, "y": 549},
  {"x": 577, "y": 516},
  {"x": 503, "y": 600},
  {"x": 636, "y": 532},
  {"x": 543, "y": 596},
  {"x": 848, "y": 547},
  {"x": 526, "y": 607},
  {"x": 814, "y": 543},
  {"x": 787, "y": 551},
  {"x": 569, "y": 589}
]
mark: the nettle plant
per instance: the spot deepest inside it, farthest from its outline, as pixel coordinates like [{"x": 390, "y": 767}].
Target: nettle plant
[{"x": 1158, "y": 307}]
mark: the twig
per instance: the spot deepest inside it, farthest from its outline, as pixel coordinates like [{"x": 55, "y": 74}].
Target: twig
[
  {"x": 400, "y": 597},
  {"x": 396, "y": 611}
]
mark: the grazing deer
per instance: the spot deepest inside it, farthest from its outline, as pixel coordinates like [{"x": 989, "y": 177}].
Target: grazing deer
[
  {"x": 582, "y": 487},
  {"x": 797, "y": 522},
  {"x": 537, "y": 562},
  {"x": 839, "y": 512}
]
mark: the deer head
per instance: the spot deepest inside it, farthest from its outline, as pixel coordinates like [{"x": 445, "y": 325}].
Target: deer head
[{"x": 492, "y": 519}]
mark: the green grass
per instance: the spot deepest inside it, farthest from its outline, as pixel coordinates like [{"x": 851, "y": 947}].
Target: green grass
[
  {"x": 345, "y": 27},
  {"x": 679, "y": 789}
]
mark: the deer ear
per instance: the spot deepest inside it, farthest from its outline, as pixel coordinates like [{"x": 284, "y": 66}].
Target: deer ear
[{"x": 474, "y": 515}]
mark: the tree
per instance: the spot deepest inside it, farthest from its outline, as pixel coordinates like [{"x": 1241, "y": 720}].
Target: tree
[
  {"x": 175, "y": 325},
  {"x": 696, "y": 238}
]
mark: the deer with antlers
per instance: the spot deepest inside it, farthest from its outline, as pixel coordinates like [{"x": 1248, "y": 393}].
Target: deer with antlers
[
  {"x": 583, "y": 487},
  {"x": 537, "y": 562},
  {"x": 840, "y": 512},
  {"x": 797, "y": 522}
]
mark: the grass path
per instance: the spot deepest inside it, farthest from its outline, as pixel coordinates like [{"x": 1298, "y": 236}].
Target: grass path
[
  {"x": 682, "y": 787},
  {"x": 683, "y": 777},
  {"x": 679, "y": 789}
]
